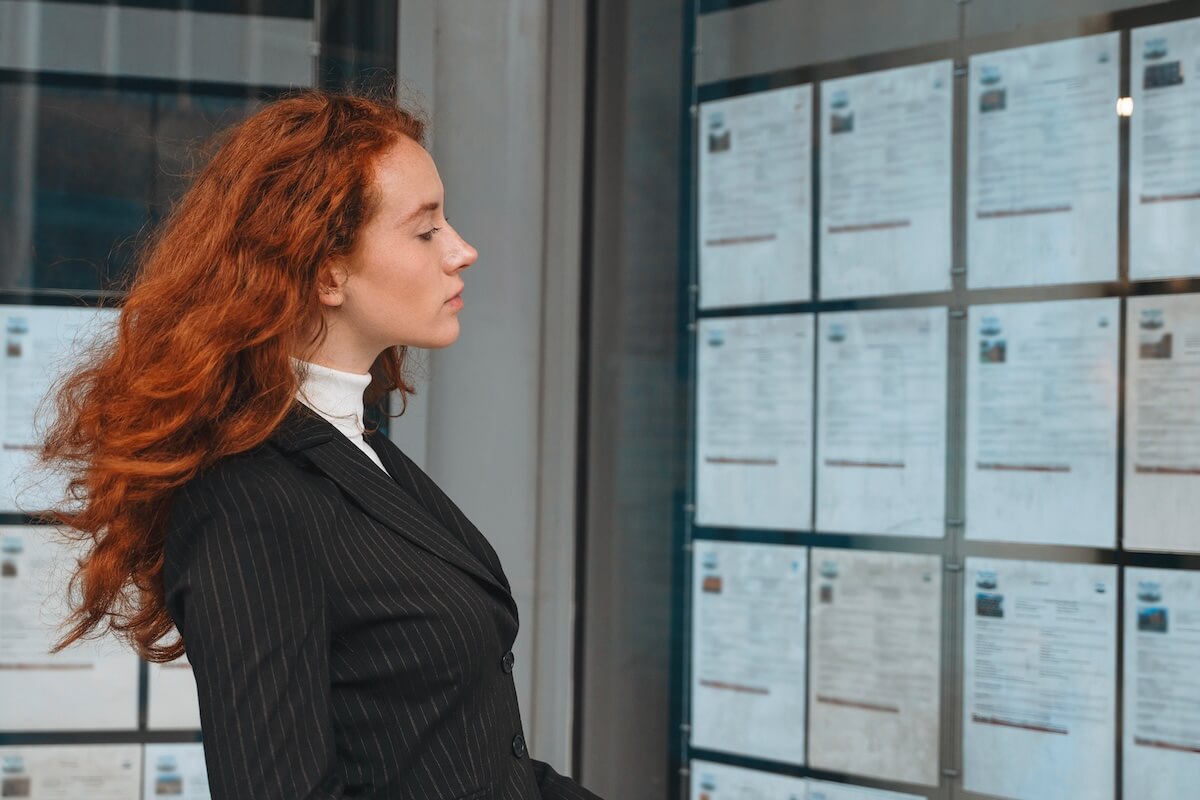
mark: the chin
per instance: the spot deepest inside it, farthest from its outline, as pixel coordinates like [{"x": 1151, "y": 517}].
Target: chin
[{"x": 441, "y": 340}]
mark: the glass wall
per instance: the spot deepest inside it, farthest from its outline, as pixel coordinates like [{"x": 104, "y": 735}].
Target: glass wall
[
  {"x": 942, "y": 359},
  {"x": 105, "y": 110}
]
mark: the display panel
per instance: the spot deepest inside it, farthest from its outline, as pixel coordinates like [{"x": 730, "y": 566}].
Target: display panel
[
  {"x": 881, "y": 422},
  {"x": 1067, "y": 413},
  {"x": 1161, "y": 745},
  {"x": 1162, "y": 423},
  {"x": 1039, "y": 679},
  {"x": 754, "y": 422},
  {"x": 755, "y": 202},
  {"x": 175, "y": 770},
  {"x": 1164, "y": 150},
  {"x": 40, "y": 344},
  {"x": 875, "y": 665},
  {"x": 92, "y": 685},
  {"x": 885, "y": 182},
  {"x": 748, "y": 649},
  {"x": 71, "y": 772},
  {"x": 827, "y": 790},
  {"x": 1043, "y": 156},
  {"x": 712, "y": 781},
  {"x": 1042, "y": 422},
  {"x": 173, "y": 703}
]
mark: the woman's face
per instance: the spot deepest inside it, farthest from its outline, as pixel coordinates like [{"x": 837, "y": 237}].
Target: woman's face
[{"x": 400, "y": 284}]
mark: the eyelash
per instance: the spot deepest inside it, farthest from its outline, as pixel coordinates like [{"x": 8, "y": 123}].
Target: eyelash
[{"x": 428, "y": 235}]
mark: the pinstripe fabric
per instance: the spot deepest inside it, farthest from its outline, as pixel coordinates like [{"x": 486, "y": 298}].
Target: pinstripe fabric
[{"x": 348, "y": 630}]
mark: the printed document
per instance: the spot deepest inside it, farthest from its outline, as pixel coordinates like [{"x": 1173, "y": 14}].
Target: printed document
[
  {"x": 1043, "y": 163},
  {"x": 1039, "y": 679},
  {"x": 886, "y": 146},
  {"x": 755, "y": 199},
  {"x": 748, "y": 649},
  {"x": 754, "y": 401}
]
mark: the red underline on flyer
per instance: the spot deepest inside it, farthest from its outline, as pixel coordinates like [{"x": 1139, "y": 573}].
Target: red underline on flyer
[
  {"x": 1183, "y": 748},
  {"x": 1022, "y": 467},
  {"x": 1168, "y": 198},
  {"x": 1147, "y": 469},
  {"x": 734, "y": 687},
  {"x": 753, "y": 462},
  {"x": 870, "y": 226},
  {"x": 23, "y": 667},
  {"x": 1021, "y": 212},
  {"x": 837, "y": 701},
  {"x": 847, "y": 462},
  {"x": 728, "y": 240},
  {"x": 1023, "y": 725}
]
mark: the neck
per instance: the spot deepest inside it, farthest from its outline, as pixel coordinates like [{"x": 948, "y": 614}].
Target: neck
[
  {"x": 356, "y": 364},
  {"x": 339, "y": 348}
]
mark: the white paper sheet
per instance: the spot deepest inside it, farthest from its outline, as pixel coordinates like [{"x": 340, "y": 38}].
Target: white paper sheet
[
  {"x": 748, "y": 642},
  {"x": 827, "y": 790},
  {"x": 1042, "y": 183},
  {"x": 72, "y": 772},
  {"x": 1039, "y": 679},
  {"x": 40, "y": 343},
  {"x": 1042, "y": 389},
  {"x": 712, "y": 781},
  {"x": 1162, "y": 685},
  {"x": 1162, "y": 423},
  {"x": 754, "y": 422},
  {"x": 755, "y": 201},
  {"x": 175, "y": 770},
  {"x": 172, "y": 698},
  {"x": 885, "y": 181},
  {"x": 92, "y": 685},
  {"x": 874, "y": 690},
  {"x": 1164, "y": 151},
  {"x": 881, "y": 426}
]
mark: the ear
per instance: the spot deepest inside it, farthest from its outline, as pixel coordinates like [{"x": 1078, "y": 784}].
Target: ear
[{"x": 330, "y": 286}]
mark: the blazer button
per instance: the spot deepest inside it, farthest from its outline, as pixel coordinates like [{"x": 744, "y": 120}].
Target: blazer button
[
  {"x": 519, "y": 746},
  {"x": 507, "y": 662}
]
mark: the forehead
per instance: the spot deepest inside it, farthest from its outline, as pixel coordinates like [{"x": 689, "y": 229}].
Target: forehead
[{"x": 406, "y": 177}]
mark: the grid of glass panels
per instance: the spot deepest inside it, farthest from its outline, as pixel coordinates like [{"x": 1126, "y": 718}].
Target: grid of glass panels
[
  {"x": 941, "y": 537},
  {"x": 106, "y": 111}
]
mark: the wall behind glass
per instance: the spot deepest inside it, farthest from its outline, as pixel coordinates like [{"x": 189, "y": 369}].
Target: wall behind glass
[
  {"x": 104, "y": 109},
  {"x": 107, "y": 111}
]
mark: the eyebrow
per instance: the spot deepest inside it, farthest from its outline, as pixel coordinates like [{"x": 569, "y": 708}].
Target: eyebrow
[{"x": 432, "y": 205}]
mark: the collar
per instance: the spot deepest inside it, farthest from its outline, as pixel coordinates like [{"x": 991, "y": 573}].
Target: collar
[
  {"x": 335, "y": 395},
  {"x": 408, "y": 502}
]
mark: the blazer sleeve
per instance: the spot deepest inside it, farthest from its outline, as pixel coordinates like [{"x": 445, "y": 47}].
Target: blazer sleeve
[
  {"x": 556, "y": 787},
  {"x": 249, "y": 601}
]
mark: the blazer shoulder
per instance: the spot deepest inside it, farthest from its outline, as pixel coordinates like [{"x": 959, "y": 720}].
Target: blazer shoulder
[{"x": 259, "y": 480}]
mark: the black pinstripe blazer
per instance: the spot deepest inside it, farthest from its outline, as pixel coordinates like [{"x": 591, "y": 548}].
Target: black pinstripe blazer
[{"x": 350, "y": 633}]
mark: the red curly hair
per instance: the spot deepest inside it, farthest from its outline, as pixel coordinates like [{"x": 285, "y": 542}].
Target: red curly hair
[{"x": 199, "y": 367}]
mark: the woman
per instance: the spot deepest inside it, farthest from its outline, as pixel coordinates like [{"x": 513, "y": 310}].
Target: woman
[{"x": 349, "y": 629}]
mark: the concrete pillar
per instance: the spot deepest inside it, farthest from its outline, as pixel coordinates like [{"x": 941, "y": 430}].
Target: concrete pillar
[{"x": 495, "y": 419}]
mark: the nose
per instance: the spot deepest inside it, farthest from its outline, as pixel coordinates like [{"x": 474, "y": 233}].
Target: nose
[
  {"x": 463, "y": 255},
  {"x": 469, "y": 254}
]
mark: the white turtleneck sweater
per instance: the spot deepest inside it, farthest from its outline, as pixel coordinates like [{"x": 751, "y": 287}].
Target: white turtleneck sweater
[{"x": 338, "y": 397}]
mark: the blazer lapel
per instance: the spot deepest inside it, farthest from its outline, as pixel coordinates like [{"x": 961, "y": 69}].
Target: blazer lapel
[
  {"x": 422, "y": 487},
  {"x": 374, "y": 492}
]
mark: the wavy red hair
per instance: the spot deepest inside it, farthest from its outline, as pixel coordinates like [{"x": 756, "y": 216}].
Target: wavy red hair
[{"x": 198, "y": 369}]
